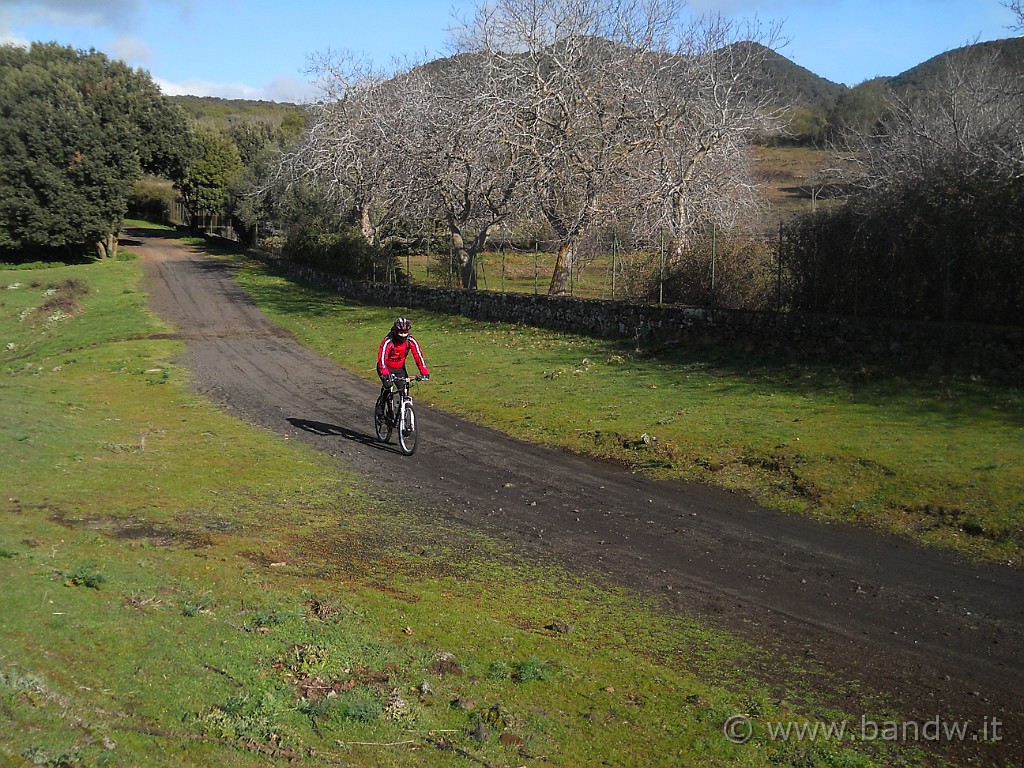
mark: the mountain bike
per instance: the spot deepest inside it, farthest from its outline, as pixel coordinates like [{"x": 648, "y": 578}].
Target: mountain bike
[{"x": 393, "y": 410}]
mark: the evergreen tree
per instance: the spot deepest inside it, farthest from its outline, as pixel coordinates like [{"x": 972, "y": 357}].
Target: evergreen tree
[
  {"x": 76, "y": 130},
  {"x": 210, "y": 178}
]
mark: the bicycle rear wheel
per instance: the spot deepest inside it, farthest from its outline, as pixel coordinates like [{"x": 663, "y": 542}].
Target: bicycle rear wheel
[
  {"x": 407, "y": 431},
  {"x": 382, "y": 420}
]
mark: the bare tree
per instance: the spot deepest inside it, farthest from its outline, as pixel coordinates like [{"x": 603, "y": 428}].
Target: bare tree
[
  {"x": 931, "y": 226},
  {"x": 347, "y": 149},
  {"x": 564, "y": 77},
  {"x": 708, "y": 103},
  {"x": 626, "y": 110},
  {"x": 1018, "y": 9},
  {"x": 419, "y": 146},
  {"x": 458, "y": 166},
  {"x": 580, "y": 114},
  {"x": 972, "y": 118}
]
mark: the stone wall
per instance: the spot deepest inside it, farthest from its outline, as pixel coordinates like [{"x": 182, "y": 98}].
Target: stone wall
[{"x": 991, "y": 351}]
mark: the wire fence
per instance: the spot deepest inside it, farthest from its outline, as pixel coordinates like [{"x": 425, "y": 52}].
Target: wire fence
[
  {"x": 715, "y": 270},
  {"x": 791, "y": 269},
  {"x": 207, "y": 222}
]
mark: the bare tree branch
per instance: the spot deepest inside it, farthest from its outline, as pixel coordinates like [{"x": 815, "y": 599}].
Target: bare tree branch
[
  {"x": 972, "y": 118},
  {"x": 1018, "y": 9},
  {"x": 607, "y": 96}
]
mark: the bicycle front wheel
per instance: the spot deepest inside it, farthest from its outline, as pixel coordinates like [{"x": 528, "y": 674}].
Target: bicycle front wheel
[{"x": 407, "y": 431}]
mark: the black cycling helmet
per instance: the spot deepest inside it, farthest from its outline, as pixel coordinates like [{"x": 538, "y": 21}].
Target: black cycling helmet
[{"x": 402, "y": 327}]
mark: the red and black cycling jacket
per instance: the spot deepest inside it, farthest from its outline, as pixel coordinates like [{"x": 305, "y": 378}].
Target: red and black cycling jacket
[{"x": 392, "y": 354}]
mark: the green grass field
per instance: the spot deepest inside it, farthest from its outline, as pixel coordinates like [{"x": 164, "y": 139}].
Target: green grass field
[
  {"x": 523, "y": 271},
  {"x": 180, "y": 588},
  {"x": 934, "y": 457}
]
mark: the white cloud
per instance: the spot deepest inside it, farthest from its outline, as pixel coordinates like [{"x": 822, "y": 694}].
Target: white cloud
[
  {"x": 207, "y": 88},
  {"x": 289, "y": 89},
  {"x": 133, "y": 50},
  {"x": 105, "y": 15},
  {"x": 92, "y": 13},
  {"x": 10, "y": 38},
  {"x": 282, "y": 89}
]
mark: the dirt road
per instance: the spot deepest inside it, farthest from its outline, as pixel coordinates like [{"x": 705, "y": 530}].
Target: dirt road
[{"x": 937, "y": 636}]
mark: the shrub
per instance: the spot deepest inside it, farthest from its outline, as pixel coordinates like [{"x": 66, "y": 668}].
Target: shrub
[
  {"x": 360, "y": 706},
  {"x": 152, "y": 200},
  {"x": 85, "y": 576},
  {"x": 947, "y": 247},
  {"x": 345, "y": 253},
  {"x": 499, "y": 670},
  {"x": 722, "y": 271},
  {"x": 532, "y": 669}
]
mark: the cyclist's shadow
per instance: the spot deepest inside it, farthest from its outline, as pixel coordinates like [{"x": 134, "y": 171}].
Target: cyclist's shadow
[{"x": 322, "y": 428}]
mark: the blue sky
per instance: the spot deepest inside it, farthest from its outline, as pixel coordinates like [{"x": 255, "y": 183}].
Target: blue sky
[{"x": 261, "y": 49}]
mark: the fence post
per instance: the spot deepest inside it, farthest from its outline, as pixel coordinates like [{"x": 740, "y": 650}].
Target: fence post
[
  {"x": 778, "y": 279},
  {"x": 947, "y": 291},
  {"x": 614, "y": 255},
  {"x": 661, "y": 280},
  {"x": 714, "y": 257},
  {"x": 536, "y": 265}
]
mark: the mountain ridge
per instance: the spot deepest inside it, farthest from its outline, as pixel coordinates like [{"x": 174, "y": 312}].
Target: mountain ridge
[
  {"x": 812, "y": 90},
  {"x": 801, "y": 86}
]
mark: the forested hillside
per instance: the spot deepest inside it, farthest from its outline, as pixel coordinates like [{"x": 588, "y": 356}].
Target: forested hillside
[
  {"x": 223, "y": 113},
  {"x": 928, "y": 74}
]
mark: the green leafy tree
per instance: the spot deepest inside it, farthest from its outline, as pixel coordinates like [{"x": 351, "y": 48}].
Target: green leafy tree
[
  {"x": 805, "y": 125},
  {"x": 209, "y": 180},
  {"x": 259, "y": 146},
  {"x": 76, "y": 131},
  {"x": 857, "y": 111}
]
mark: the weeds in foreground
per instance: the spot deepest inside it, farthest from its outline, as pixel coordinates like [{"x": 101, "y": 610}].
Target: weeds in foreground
[{"x": 84, "y": 576}]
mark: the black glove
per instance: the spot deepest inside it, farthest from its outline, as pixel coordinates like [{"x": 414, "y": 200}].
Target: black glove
[
  {"x": 389, "y": 380},
  {"x": 424, "y": 377}
]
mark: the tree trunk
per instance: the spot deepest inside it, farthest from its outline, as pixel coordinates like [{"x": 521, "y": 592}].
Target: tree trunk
[
  {"x": 366, "y": 225},
  {"x": 681, "y": 230},
  {"x": 564, "y": 264},
  {"x": 467, "y": 269},
  {"x": 465, "y": 259},
  {"x": 107, "y": 248}
]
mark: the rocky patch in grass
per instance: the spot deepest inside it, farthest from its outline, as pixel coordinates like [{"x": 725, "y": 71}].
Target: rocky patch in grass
[{"x": 62, "y": 300}]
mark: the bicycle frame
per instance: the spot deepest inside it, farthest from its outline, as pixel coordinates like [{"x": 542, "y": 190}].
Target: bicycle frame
[
  {"x": 404, "y": 401},
  {"x": 398, "y": 414},
  {"x": 401, "y": 389}
]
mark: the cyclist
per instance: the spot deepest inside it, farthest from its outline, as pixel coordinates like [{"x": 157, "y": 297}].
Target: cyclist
[{"x": 393, "y": 351}]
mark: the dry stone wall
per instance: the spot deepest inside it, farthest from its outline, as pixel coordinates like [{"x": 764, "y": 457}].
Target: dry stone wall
[{"x": 987, "y": 350}]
